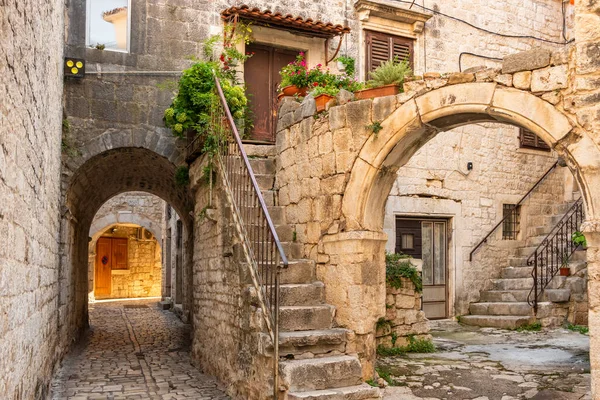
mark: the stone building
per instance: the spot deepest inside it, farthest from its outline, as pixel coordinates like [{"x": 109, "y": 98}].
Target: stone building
[
  {"x": 135, "y": 220},
  {"x": 326, "y": 181}
]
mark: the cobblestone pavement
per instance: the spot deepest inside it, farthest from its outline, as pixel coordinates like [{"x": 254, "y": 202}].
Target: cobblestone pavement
[
  {"x": 133, "y": 350},
  {"x": 493, "y": 364}
]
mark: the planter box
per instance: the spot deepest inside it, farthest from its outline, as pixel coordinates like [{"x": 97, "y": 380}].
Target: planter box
[
  {"x": 322, "y": 101},
  {"x": 291, "y": 91},
  {"x": 387, "y": 90}
]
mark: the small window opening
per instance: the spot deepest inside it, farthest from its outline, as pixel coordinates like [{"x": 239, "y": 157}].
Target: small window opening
[
  {"x": 512, "y": 222},
  {"x": 408, "y": 241},
  {"x": 108, "y": 24}
]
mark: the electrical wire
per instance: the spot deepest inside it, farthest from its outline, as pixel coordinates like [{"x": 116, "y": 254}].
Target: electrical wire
[
  {"x": 483, "y": 29},
  {"x": 475, "y": 55}
]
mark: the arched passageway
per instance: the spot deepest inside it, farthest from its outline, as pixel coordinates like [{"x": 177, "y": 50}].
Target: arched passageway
[{"x": 98, "y": 179}]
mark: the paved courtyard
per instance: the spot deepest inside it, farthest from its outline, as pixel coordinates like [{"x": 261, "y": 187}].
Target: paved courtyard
[
  {"x": 493, "y": 364},
  {"x": 133, "y": 350}
]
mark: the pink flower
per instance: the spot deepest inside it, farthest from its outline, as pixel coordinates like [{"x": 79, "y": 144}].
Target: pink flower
[{"x": 302, "y": 54}]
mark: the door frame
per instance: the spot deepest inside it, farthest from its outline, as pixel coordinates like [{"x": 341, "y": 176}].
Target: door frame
[{"x": 450, "y": 221}]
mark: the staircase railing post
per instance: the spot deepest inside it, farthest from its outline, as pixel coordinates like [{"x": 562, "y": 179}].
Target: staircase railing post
[{"x": 535, "y": 286}]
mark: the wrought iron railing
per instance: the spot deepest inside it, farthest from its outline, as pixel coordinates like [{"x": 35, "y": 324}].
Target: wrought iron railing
[
  {"x": 554, "y": 252},
  {"x": 259, "y": 240},
  {"x": 511, "y": 214}
]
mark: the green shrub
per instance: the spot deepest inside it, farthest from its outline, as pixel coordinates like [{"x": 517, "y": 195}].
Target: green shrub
[
  {"x": 414, "y": 346},
  {"x": 578, "y": 239},
  {"x": 389, "y": 72},
  {"x": 398, "y": 266}
]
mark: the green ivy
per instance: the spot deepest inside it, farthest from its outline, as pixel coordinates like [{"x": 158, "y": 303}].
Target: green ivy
[
  {"x": 398, "y": 266},
  {"x": 182, "y": 176},
  {"x": 349, "y": 64}
]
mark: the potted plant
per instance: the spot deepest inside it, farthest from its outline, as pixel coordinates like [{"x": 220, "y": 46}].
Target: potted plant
[
  {"x": 579, "y": 240},
  {"x": 294, "y": 77},
  {"x": 323, "y": 94},
  {"x": 386, "y": 79},
  {"x": 564, "y": 268}
]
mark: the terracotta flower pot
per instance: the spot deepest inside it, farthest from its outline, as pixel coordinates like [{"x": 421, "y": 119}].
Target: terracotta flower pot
[
  {"x": 386, "y": 90},
  {"x": 291, "y": 90},
  {"x": 565, "y": 271},
  {"x": 322, "y": 101}
]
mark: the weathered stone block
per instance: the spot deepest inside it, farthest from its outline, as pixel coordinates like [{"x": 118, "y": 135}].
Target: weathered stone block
[
  {"x": 526, "y": 61},
  {"x": 383, "y": 107},
  {"x": 337, "y": 117},
  {"x": 551, "y": 78},
  {"x": 522, "y": 80},
  {"x": 460, "y": 77}
]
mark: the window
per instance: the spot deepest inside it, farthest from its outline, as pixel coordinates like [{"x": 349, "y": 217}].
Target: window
[
  {"x": 383, "y": 47},
  {"x": 530, "y": 140},
  {"x": 408, "y": 241},
  {"x": 512, "y": 221},
  {"x": 108, "y": 24}
]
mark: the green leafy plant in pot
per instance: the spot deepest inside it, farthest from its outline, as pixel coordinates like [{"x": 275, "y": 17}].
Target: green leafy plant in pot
[{"x": 386, "y": 79}]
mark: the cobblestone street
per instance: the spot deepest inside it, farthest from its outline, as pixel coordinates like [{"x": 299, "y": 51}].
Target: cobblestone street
[
  {"x": 133, "y": 350},
  {"x": 493, "y": 364}
]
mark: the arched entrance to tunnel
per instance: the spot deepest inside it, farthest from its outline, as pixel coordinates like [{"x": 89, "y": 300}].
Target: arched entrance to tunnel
[{"x": 95, "y": 181}]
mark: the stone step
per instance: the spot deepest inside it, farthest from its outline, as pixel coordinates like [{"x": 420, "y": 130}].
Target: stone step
[
  {"x": 305, "y": 318},
  {"x": 501, "y": 308},
  {"x": 315, "y": 343},
  {"x": 496, "y": 321},
  {"x": 299, "y": 271},
  {"x": 320, "y": 373},
  {"x": 510, "y": 284},
  {"x": 302, "y": 294},
  {"x": 307, "y": 344},
  {"x": 515, "y": 272},
  {"x": 517, "y": 261},
  {"x": 504, "y": 295},
  {"x": 526, "y": 251},
  {"x": 251, "y": 214},
  {"x": 293, "y": 250},
  {"x": 260, "y": 150},
  {"x": 263, "y": 166},
  {"x": 359, "y": 392}
]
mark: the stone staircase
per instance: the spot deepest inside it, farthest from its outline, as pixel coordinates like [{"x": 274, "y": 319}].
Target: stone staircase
[
  {"x": 505, "y": 304},
  {"x": 314, "y": 361}
]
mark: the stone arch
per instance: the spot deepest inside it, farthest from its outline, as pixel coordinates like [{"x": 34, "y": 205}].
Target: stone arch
[
  {"x": 103, "y": 224},
  {"x": 419, "y": 119},
  {"x": 101, "y": 177}
]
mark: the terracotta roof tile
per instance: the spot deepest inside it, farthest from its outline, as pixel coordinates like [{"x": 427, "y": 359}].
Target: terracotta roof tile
[{"x": 288, "y": 21}]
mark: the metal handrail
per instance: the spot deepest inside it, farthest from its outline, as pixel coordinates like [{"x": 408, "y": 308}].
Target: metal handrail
[
  {"x": 555, "y": 250},
  {"x": 484, "y": 240},
  {"x": 259, "y": 239}
]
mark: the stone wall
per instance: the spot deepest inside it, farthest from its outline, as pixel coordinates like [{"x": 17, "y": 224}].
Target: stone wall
[
  {"x": 403, "y": 316},
  {"x": 143, "y": 276},
  {"x": 30, "y": 148},
  {"x": 226, "y": 317}
]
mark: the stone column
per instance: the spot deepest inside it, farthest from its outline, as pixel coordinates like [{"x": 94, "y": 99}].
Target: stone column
[
  {"x": 592, "y": 234},
  {"x": 355, "y": 282}
]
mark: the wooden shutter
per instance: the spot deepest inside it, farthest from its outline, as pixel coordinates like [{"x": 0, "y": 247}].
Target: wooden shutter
[
  {"x": 530, "y": 140},
  {"x": 119, "y": 249},
  {"x": 383, "y": 47}
]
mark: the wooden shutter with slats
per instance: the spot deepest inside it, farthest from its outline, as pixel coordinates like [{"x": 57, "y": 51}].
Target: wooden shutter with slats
[
  {"x": 530, "y": 140},
  {"x": 383, "y": 47}
]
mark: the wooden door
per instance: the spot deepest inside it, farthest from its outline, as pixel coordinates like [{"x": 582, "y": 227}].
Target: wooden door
[
  {"x": 119, "y": 252},
  {"x": 426, "y": 240},
  {"x": 103, "y": 267},
  {"x": 261, "y": 74}
]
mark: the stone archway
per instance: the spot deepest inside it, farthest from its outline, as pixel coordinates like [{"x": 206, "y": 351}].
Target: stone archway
[
  {"x": 94, "y": 180},
  {"x": 419, "y": 119}
]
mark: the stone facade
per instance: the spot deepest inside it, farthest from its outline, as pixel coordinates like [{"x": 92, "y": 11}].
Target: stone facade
[
  {"x": 403, "y": 316},
  {"x": 30, "y": 149},
  {"x": 128, "y": 212},
  {"x": 142, "y": 278}
]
